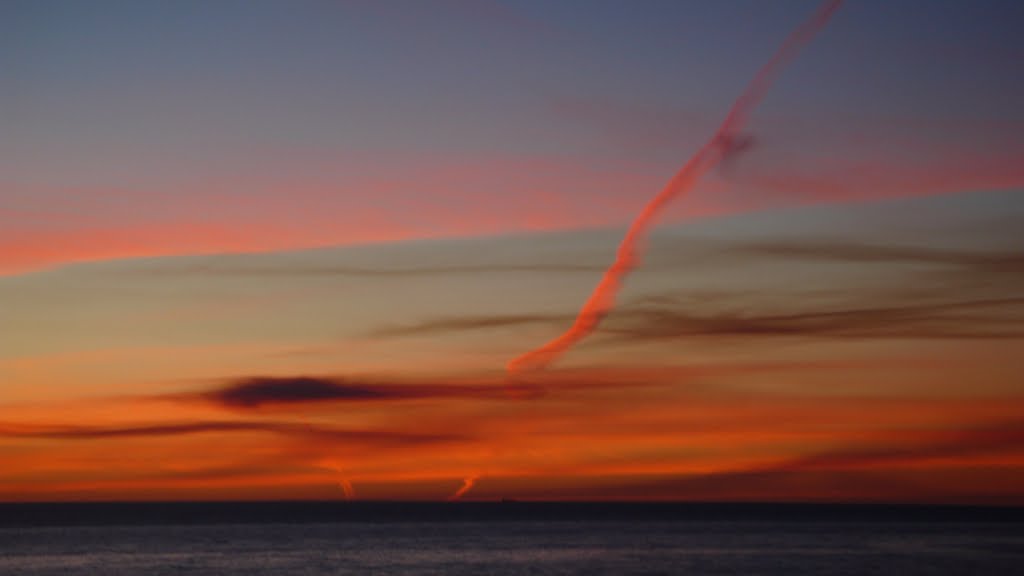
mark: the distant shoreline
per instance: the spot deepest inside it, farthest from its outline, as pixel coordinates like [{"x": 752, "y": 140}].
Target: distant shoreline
[{"x": 310, "y": 512}]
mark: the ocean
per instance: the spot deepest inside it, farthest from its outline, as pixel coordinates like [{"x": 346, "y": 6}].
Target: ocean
[{"x": 316, "y": 539}]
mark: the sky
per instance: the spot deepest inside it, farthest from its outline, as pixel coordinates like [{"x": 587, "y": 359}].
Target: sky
[{"x": 285, "y": 250}]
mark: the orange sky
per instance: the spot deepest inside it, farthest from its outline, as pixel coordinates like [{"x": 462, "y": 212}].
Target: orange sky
[
  {"x": 751, "y": 369},
  {"x": 290, "y": 255}
]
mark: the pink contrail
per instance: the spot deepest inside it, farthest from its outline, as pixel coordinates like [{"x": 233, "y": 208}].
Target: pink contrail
[
  {"x": 347, "y": 488},
  {"x": 467, "y": 485},
  {"x": 724, "y": 142},
  {"x": 344, "y": 483}
]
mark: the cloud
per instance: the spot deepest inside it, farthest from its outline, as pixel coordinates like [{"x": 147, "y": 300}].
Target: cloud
[
  {"x": 442, "y": 192},
  {"x": 253, "y": 392},
  {"x": 261, "y": 391},
  {"x": 869, "y": 470},
  {"x": 995, "y": 318},
  {"x": 994, "y": 262},
  {"x": 932, "y": 293},
  {"x": 469, "y": 323},
  {"x": 905, "y": 448},
  {"x": 67, "y": 432},
  {"x": 669, "y": 253},
  {"x": 967, "y": 319},
  {"x": 224, "y": 266},
  {"x": 897, "y": 465}
]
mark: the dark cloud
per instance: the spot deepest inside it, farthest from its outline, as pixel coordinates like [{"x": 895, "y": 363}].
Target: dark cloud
[
  {"x": 254, "y": 392},
  {"x": 830, "y": 250},
  {"x": 927, "y": 293},
  {"x": 971, "y": 319},
  {"x": 993, "y": 318},
  {"x": 373, "y": 436},
  {"x": 257, "y": 392},
  {"x": 439, "y": 325}
]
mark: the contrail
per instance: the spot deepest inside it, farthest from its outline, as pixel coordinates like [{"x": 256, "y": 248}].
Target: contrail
[
  {"x": 467, "y": 485},
  {"x": 344, "y": 483},
  {"x": 346, "y": 486},
  {"x": 725, "y": 142}
]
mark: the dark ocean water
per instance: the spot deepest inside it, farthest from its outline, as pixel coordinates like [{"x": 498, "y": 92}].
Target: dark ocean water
[{"x": 501, "y": 543}]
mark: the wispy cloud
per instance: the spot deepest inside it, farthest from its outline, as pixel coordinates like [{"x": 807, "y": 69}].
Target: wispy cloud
[
  {"x": 906, "y": 465},
  {"x": 988, "y": 318},
  {"x": 224, "y": 266},
  {"x": 924, "y": 293},
  {"x": 994, "y": 318},
  {"x": 869, "y": 469},
  {"x": 98, "y": 432},
  {"x": 995, "y": 262},
  {"x": 912, "y": 447},
  {"x": 468, "y": 323}
]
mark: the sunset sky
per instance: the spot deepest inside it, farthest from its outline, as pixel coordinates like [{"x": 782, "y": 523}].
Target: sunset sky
[{"x": 265, "y": 250}]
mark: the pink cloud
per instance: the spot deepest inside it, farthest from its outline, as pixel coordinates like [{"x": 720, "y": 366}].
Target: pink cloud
[
  {"x": 368, "y": 203},
  {"x": 363, "y": 199}
]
